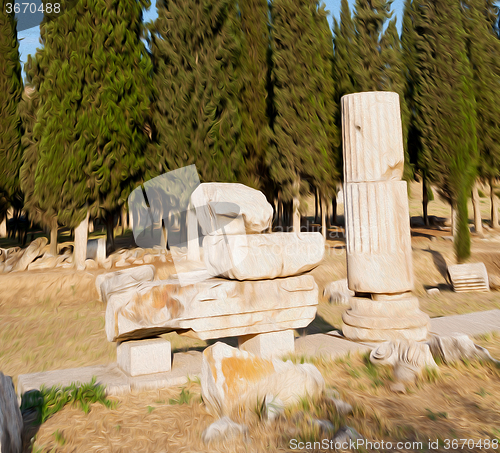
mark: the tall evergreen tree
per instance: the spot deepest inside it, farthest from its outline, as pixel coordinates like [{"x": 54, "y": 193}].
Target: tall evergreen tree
[
  {"x": 300, "y": 71},
  {"x": 445, "y": 107},
  {"x": 196, "y": 52},
  {"x": 394, "y": 79},
  {"x": 11, "y": 87},
  {"x": 370, "y": 17},
  {"x": 90, "y": 129},
  {"x": 484, "y": 53},
  {"x": 255, "y": 131}
]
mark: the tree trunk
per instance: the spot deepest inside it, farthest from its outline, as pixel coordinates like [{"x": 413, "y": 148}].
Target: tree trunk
[
  {"x": 476, "y": 205},
  {"x": 91, "y": 225},
  {"x": 334, "y": 210},
  {"x": 494, "y": 206},
  {"x": 279, "y": 220},
  {"x": 53, "y": 238},
  {"x": 124, "y": 218},
  {"x": 110, "y": 236},
  {"x": 425, "y": 200},
  {"x": 296, "y": 215},
  {"x": 323, "y": 217},
  {"x": 454, "y": 223},
  {"x": 80, "y": 249},
  {"x": 316, "y": 202},
  {"x": 3, "y": 227}
]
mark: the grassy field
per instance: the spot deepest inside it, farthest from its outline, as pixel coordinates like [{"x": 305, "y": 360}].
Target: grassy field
[{"x": 53, "y": 320}]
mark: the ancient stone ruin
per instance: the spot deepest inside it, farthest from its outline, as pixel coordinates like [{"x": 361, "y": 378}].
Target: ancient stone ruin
[
  {"x": 255, "y": 286},
  {"x": 379, "y": 255}
]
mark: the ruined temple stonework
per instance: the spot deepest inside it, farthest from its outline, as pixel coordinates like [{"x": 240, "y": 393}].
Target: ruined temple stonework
[{"x": 379, "y": 256}]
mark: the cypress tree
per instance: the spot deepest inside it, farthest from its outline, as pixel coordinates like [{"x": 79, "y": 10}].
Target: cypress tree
[
  {"x": 11, "y": 87},
  {"x": 90, "y": 129},
  {"x": 255, "y": 133},
  {"x": 445, "y": 108},
  {"x": 484, "y": 53},
  {"x": 301, "y": 145},
  {"x": 369, "y": 19},
  {"x": 196, "y": 53},
  {"x": 394, "y": 79}
]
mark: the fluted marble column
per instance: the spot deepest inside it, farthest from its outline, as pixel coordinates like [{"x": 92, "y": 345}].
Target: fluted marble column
[{"x": 379, "y": 256}]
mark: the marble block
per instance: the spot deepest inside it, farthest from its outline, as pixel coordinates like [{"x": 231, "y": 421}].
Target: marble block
[
  {"x": 379, "y": 255},
  {"x": 469, "y": 277},
  {"x": 389, "y": 318},
  {"x": 268, "y": 345},
  {"x": 236, "y": 207},
  {"x": 373, "y": 137},
  {"x": 212, "y": 308},
  {"x": 141, "y": 357},
  {"x": 120, "y": 281},
  {"x": 262, "y": 256}
]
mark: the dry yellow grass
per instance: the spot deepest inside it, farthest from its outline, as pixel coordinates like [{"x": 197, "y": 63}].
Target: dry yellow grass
[{"x": 461, "y": 402}]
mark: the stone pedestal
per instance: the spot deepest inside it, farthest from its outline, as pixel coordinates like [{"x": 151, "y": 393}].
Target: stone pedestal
[
  {"x": 141, "y": 357},
  {"x": 379, "y": 254},
  {"x": 268, "y": 345}
]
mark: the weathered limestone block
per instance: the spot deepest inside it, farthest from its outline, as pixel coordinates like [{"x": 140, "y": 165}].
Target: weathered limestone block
[
  {"x": 469, "y": 277},
  {"x": 144, "y": 356},
  {"x": 373, "y": 137},
  {"x": 30, "y": 254},
  {"x": 120, "y": 281},
  {"x": 11, "y": 421},
  {"x": 96, "y": 250},
  {"x": 379, "y": 256},
  {"x": 338, "y": 292},
  {"x": 268, "y": 345},
  {"x": 219, "y": 204},
  {"x": 262, "y": 256},
  {"x": 388, "y": 318},
  {"x": 214, "y": 308},
  {"x": 231, "y": 378},
  {"x": 452, "y": 348}
]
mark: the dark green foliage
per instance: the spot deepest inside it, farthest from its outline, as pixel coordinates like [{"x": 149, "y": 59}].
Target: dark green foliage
[
  {"x": 303, "y": 127},
  {"x": 255, "y": 132},
  {"x": 11, "y": 87},
  {"x": 90, "y": 128},
  {"x": 196, "y": 51},
  {"x": 47, "y": 402},
  {"x": 393, "y": 79},
  {"x": 445, "y": 107},
  {"x": 369, "y": 19},
  {"x": 483, "y": 48}
]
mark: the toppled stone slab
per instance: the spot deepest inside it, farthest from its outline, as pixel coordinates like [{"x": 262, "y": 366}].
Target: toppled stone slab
[
  {"x": 457, "y": 347},
  {"x": 236, "y": 207},
  {"x": 232, "y": 378},
  {"x": 338, "y": 292},
  {"x": 32, "y": 252},
  {"x": 469, "y": 277},
  {"x": 262, "y": 256},
  {"x": 184, "y": 366},
  {"x": 472, "y": 324},
  {"x": 120, "y": 281},
  {"x": 214, "y": 308},
  {"x": 11, "y": 421}
]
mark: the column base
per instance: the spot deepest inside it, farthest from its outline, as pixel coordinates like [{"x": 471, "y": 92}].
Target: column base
[
  {"x": 384, "y": 320},
  {"x": 141, "y": 357},
  {"x": 268, "y": 345}
]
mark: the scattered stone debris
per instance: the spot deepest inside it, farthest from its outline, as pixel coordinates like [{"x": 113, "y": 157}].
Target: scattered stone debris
[
  {"x": 338, "y": 292},
  {"x": 342, "y": 408},
  {"x": 494, "y": 281},
  {"x": 457, "y": 347},
  {"x": 223, "y": 429},
  {"x": 433, "y": 291},
  {"x": 345, "y": 434},
  {"x": 325, "y": 426}
]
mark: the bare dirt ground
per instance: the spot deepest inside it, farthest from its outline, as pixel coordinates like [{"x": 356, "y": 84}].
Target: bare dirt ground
[{"x": 53, "y": 320}]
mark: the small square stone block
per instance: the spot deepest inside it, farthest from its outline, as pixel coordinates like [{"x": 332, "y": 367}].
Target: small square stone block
[
  {"x": 141, "y": 357},
  {"x": 268, "y": 345}
]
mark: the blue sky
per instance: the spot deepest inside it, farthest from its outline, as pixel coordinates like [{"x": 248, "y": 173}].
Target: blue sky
[{"x": 29, "y": 38}]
